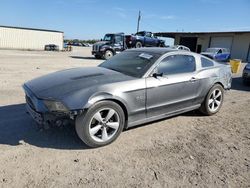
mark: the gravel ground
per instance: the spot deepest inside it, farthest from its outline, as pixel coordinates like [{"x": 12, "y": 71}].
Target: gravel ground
[{"x": 183, "y": 151}]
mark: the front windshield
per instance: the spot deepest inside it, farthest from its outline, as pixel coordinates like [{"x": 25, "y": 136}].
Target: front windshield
[
  {"x": 107, "y": 37},
  {"x": 132, "y": 63},
  {"x": 212, "y": 50}
]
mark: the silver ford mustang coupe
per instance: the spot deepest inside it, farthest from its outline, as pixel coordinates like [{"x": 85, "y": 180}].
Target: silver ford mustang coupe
[{"x": 132, "y": 88}]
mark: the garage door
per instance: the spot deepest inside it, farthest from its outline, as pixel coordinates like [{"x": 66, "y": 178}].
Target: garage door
[{"x": 221, "y": 42}]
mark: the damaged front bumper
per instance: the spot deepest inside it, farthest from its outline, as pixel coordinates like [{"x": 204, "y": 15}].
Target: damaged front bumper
[
  {"x": 43, "y": 116},
  {"x": 52, "y": 118}
]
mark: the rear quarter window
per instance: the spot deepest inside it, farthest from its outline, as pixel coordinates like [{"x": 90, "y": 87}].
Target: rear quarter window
[{"x": 206, "y": 62}]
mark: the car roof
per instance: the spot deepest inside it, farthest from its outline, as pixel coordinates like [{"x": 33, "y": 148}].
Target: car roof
[
  {"x": 115, "y": 33},
  {"x": 158, "y": 50}
]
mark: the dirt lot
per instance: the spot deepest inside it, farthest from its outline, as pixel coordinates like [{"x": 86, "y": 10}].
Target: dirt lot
[{"x": 187, "y": 150}]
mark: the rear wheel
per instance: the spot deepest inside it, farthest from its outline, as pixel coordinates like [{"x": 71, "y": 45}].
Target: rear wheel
[
  {"x": 213, "y": 101},
  {"x": 161, "y": 45},
  {"x": 108, "y": 54},
  {"x": 101, "y": 124}
]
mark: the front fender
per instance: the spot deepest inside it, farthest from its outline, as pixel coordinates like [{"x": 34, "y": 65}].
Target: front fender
[
  {"x": 103, "y": 96},
  {"x": 105, "y": 48}
]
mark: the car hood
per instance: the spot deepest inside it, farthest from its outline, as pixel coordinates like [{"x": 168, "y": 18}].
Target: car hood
[
  {"x": 102, "y": 43},
  {"x": 63, "y": 83}
]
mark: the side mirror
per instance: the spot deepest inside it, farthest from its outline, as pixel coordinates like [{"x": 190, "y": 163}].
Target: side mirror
[
  {"x": 155, "y": 75},
  {"x": 101, "y": 39}
]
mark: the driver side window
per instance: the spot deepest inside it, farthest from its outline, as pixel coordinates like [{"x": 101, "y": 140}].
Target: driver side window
[
  {"x": 118, "y": 39},
  {"x": 148, "y": 34},
  {"x": 177, "y": 64}
]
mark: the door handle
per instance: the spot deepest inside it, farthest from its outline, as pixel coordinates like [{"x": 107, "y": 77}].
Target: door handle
[{"x": 193, "y": 79}]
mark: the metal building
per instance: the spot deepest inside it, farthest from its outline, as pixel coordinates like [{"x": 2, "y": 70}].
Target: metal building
[
  {"x": 29, "y": 38},
  {"x": 238, "y": 42}
]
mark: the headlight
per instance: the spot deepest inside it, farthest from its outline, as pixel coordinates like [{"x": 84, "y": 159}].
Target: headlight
[{"x": 55, "y": 106}]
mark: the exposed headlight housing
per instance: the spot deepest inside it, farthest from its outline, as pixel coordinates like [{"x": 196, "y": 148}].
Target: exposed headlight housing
[{"x": 55, "y": 106}]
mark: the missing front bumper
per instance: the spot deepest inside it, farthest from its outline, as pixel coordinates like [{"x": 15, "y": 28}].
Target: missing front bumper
[{"x": 56, "y": 118}]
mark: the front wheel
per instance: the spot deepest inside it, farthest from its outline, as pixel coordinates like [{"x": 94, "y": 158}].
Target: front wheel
[
  {"x": 101, "y": 124},
  {"x": 213, "y": 101},
  {"x": 138, "y": 44},
  {"x": 108, "y": 54}
]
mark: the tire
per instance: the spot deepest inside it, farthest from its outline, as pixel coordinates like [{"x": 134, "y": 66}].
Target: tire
[
  {"x": 103, "y": 131},
  {"x": 161, "y": 45},
  {"x": 98, "y": 57},
  {"x": 213, "y": 101},
  {"x": 108, "y": 54},
  {"x": 138, "y": 44}
]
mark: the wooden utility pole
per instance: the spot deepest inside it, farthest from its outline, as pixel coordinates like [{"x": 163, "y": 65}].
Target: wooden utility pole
[{"x": 138, "y": 22}]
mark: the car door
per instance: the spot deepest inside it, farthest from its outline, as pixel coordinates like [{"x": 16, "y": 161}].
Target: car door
[
  {"x": 219, "y": 55},
  {"x": 118, "y": 43},
  {"x": 155, "y": 40},
  {"x": 225, "y": 54},
  {"x": 148, "y": 39},
  {"x": 175, "y": 89}
]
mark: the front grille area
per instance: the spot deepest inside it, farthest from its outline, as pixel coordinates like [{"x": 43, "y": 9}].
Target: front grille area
[
  {"x": 95, "y": 48},
  {"x": 29, "y": 102}
]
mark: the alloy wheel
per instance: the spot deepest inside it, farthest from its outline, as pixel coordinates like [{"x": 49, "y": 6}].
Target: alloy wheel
[
  {"x": 104, "y": 125},
  {"x": 215, "y": 100}
]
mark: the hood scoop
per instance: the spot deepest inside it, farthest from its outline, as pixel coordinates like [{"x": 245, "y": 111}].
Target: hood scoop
[{"x": 86, "y": 76}]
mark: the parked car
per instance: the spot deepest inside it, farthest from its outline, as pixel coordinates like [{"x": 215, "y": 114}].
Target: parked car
[
  {"x": 134, "y": 87},
  {"x": 85, "y": 44},
  {"x": 143, "y": 39},
  {"x": 180, "y": 47},
  {"x": 219, "y": 54},
  {"x": 111, "y": 44},
  {"x": 51, "y": 47},
  {"x": 246, "y": 74}
]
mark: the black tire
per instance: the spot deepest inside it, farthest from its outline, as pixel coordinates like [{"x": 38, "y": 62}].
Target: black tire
[
  {"x": 83, "y": 123},
  {"x": 206, "y": 106},
  {"x": 161, "y": 45},
  {"x": 108, "y": 54},
  {"x": 138, "y": 44},
  {"x": 98, "y": 57}
]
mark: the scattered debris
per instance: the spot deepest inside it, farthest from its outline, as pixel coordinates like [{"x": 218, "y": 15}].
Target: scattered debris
[
  {"x": 156, "y": 177},
  {"x": 191, "y": 157},
  {"x": 76, "y": 160},
  {"x": 21, "y": 142}
]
